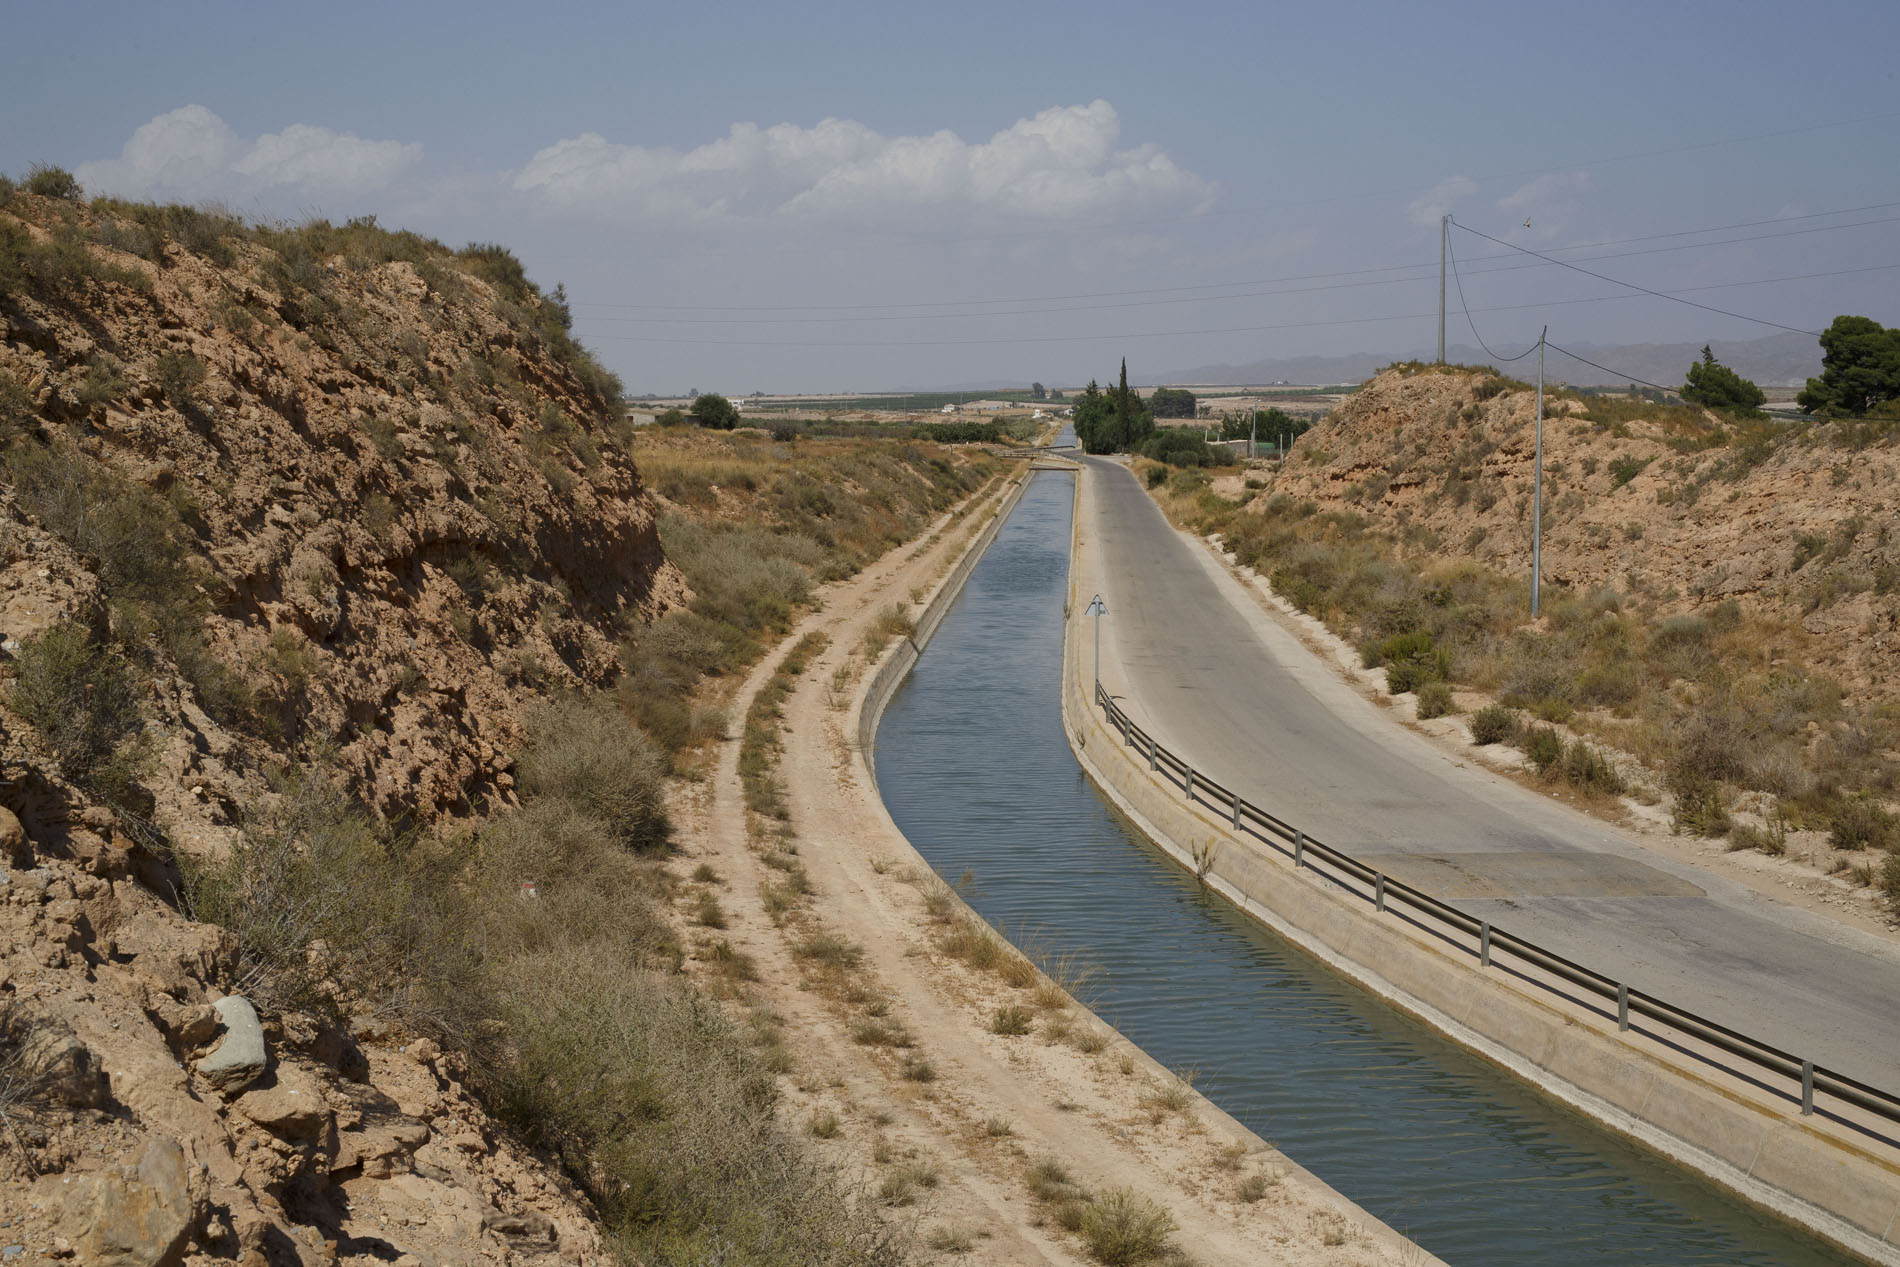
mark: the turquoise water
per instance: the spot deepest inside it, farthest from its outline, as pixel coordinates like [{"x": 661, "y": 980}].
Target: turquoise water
[{"x": 973, "y": 764}]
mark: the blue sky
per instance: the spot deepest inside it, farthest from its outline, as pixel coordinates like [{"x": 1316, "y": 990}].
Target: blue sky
[{"x": 831, "y": 197}]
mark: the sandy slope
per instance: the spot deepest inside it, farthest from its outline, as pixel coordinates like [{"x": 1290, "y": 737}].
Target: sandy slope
[{"x": 1084, "y": 1109}]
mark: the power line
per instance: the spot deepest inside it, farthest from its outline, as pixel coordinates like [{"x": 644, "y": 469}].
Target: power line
[
  {"x": 1473, "y": 324},
  {"x": 1299, "y": 277},
  {"x": 1630, "y": 378},
  {"x": 1179, "y": 299},
  {"x": 1168, "y": 334},
  {"x": 1633, "y": 286}
]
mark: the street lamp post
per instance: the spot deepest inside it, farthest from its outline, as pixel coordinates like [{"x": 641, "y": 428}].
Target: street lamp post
[{"x": 1098, "y": 609}]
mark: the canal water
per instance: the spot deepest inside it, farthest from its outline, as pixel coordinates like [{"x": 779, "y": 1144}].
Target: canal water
[{"x": 973, "y": 763}]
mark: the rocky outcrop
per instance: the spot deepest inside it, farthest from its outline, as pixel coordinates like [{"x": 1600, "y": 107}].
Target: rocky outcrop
[
  {"x": 400, "y": 502},
  {"x": 153, "y": 1121},
  {"x": 1687, "y": 510},
  {"x": 324, "y": 490}
]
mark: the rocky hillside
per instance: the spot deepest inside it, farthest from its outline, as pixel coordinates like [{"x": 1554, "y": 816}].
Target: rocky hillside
[
  {"x": 1668, "y": 504},
  {"x": 328, "y": 499},
  {"x": 361, "y": 492}
]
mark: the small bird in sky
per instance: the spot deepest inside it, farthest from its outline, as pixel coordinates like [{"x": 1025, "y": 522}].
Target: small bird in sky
[{"x": 1527, "y": 222}]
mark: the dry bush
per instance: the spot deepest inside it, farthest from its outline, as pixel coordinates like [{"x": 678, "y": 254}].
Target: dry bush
[
  {"x": 1122, "y": 1228},
  {"x": 649, "y": 1086},
  {"x": 314, "y": 868},
  {"x": 83, "y": 698},
  {"x": 586, "y": 755},
  {"x": 1012, "y": 1020}
]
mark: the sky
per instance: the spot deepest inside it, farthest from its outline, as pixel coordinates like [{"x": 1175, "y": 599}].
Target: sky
[{"x": 860, "y": 197}]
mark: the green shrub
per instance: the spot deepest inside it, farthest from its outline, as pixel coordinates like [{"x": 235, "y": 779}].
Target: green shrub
[
  {"x": 1495, "y": 723},
  {"x": 1586, "y": 768},
  {"x": 52, "y": 182},
  {"x": 590, "y": 757},
  {"x": 1122, "y": 1228},
  {"x": 103, "y": 383},
  {"x": 1543, "y": 747},
  {"x": 1698, "y": 805},
  {"x": 1859, "y": 822},
  {"x": 18, "y": 414},
  {"x": 313, "y": 869},
  {"x": 1013, "y": 1020},
  {"x": 179, "y": 375},
  {"x": 83, "y": 698},
  {"x": 1890, "y": 879},
  {"x": 1411, "y": 660},
  {"x": 1434, "y": 699},
  {"x": 132, "y": 532}
]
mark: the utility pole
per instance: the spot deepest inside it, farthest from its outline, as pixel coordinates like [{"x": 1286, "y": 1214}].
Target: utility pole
[
  {"x": 1444, "y": 241},
  {"x": 1537, "y": 483},
  {"x": 1253, "y": 434}
]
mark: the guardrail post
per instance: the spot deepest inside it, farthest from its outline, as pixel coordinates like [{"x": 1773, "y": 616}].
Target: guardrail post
[
  {"x": 1484, "y": 944},
  {"x": 1807, "y": 1088},
  {"x": 1622, "y": 1007},
  {"x": 1378, "y": 892},
  {"x": 1188, "y": 786},
  {"x": 1153, "y": 763},
  {"x": 1236, "y": 813},
  {"x": 1299, "y": 849}
]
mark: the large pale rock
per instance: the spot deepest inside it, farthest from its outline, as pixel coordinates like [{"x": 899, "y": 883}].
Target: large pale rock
[
  {"x": 292, "y": 1107},
  {"x": 139, "y": 1216},
  {"x": 239, "y": 1059}
]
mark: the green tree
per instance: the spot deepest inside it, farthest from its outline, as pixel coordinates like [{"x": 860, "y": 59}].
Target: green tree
[
  {"x": 1095, "y": 420},
  {"x": 715, "y": 411},
  {"x": 1269, "y": 425},
  {"x": 1113, "y": 421},
  {"x": 1715, "y": 385},
  {"x": 1133, "y": 422},
  {"x": 1172, "y": 402},
  {"x": 1036, "y": 391},
  {"x": 1860, "y": 368}
]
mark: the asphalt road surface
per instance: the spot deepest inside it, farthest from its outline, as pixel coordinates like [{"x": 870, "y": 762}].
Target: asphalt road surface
[{"x": 1197, "y": 662}]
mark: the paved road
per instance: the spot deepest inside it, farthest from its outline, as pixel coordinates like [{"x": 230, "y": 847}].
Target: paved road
[{"x": 1197, "y": 662}]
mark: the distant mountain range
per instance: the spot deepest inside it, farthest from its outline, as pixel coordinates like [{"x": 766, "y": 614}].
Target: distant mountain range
[{"x": 1781, "y": 360}]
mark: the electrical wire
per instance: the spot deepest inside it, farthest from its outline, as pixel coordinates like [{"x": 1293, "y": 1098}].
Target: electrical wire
[
  {"x": 1180, "y": 299},
  {"x": 1628, "y": 378},
  {"x": 1301, "y": 277},
  {"x": 1467, "y": 311},
  {"x": 1633, "y": 286},
  {"x": 1169, "y": 334}
]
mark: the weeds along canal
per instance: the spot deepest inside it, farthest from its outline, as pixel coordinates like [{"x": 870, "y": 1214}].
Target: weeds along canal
[{"x": 974, "y": 766}]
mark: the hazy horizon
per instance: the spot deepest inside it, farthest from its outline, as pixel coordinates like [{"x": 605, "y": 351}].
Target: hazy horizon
[{"x": 764, "y": 199}]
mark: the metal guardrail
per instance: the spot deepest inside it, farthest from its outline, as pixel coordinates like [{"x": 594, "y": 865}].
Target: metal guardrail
[{"x": 1620, "y": 999}]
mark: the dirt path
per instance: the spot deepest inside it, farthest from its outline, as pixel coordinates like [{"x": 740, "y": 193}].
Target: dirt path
[{"x": 946, "y": 1130}]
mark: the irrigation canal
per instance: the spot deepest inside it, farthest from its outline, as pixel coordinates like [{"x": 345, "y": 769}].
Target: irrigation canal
[{"x": 975, "y": 768}]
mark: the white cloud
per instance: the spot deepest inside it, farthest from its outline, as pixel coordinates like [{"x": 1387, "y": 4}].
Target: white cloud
[
  {"x": 191, "y": 153},
  {"x": 1061, "y": 164},
  {"x": 1440, "y": 200}
]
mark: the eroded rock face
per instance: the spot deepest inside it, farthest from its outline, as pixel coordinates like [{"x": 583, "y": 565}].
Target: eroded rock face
[
  {"x": 1431, "y": 456},
  {"x": 410, "y": 510}
]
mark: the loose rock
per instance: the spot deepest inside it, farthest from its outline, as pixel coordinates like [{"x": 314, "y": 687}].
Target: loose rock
[{"x": 239, "y": 1060}]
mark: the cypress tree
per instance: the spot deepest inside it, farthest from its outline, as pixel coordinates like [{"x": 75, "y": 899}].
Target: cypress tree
[{"x": 1124, "y": 415}]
